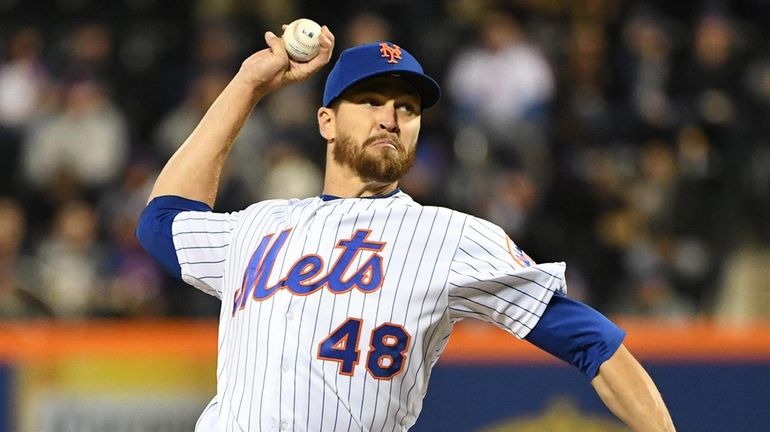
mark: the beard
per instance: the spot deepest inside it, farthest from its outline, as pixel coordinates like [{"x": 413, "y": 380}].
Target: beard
[{"x": 384, "y": 164}]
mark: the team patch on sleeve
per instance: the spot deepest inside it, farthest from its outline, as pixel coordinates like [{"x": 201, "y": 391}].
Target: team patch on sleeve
[{"x": 518, "y": 255}]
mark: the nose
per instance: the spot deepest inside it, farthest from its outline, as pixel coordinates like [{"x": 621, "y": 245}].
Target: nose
[{"x": 388, "y": 118}]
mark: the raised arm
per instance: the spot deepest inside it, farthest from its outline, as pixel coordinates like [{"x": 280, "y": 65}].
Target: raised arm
[
  {"x": 193, "y": 172},
  {"x": 628, "y": 391}
]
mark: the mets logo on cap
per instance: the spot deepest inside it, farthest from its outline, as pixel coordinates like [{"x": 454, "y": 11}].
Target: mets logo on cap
[{"x": 392, "y": 52}]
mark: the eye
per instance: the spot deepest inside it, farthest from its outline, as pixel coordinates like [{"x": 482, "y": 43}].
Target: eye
[
  {"x": 370, "y": 101},
  {"x": 408, "y": 108}
]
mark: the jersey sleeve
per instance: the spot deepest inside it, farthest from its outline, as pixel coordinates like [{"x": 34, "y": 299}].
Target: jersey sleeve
[
  {"x": 493, "y": 280},
  {"x": 202, "y": 241}
]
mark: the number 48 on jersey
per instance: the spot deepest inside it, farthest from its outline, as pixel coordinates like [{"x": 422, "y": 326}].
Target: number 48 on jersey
[{"x": 387, "y": 349}]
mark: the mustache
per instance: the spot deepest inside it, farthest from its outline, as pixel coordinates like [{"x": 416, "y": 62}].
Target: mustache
[{"x": 371, "y": 140}]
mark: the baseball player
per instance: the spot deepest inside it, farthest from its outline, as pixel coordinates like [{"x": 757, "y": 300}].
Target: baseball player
[{"x": 336, "y": 307}]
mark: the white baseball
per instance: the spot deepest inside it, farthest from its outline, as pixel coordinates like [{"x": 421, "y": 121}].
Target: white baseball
[{"x": 301, "y": 39}]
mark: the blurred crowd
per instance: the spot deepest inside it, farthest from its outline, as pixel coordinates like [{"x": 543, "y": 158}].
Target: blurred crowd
[{"x": 630, "y": 139}]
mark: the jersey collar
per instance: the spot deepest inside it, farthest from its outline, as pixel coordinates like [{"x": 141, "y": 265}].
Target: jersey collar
[{"x": 325, "y": 197}]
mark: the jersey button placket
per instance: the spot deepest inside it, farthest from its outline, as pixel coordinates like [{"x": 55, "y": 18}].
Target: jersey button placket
[{"x": 284, "y": 425}]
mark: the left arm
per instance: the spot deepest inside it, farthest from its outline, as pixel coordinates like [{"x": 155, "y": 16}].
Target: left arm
[
  {"x": 581, "y": 336},
  {"x": 628, "y": 391}
]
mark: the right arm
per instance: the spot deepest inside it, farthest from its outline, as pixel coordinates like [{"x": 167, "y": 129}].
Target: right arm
[
  {"x": 189, "y": 180},
  {"x": 193, "y": 172}
]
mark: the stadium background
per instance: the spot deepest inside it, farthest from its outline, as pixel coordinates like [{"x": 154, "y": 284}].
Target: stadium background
[{"x": 628, "y": 138}]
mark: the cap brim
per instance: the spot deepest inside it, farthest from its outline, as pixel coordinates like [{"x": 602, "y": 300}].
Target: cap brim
[{"x": 427, "y": 87}]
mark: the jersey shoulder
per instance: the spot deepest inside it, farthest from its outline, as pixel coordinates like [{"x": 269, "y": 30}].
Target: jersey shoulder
[
  {"x": 275, "y": 204},
  {"x": 273, "y": 209}
]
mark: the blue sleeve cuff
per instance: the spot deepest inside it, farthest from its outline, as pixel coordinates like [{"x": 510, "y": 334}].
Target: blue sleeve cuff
[
  {"x": 577, "y": 334},
  {"x": 154, "y": 228}
]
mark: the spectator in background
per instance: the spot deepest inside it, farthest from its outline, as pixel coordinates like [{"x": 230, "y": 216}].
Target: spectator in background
[
  {"x": 213, "y": 47},
  {"x": 585, "y": 81},
  {"x": 90, "y": 51},
  {"x": 290, "y": 173},
  {"x": 87, "y": 140},
  {"x": 363, "y": 28},
  {"x": 18, "y": 272},
  {"x": 71, "y": 262},
  {"x": 705, "y": 83},
  {"x": 502, "y": 84},
  {"x": 23, "y": 83},
  {"x": 23, "y": 79},
  {"x": 644, "y": 73}
]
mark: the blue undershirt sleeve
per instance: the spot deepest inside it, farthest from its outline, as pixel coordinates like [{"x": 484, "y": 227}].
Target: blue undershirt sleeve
[
  {"x": 154, "y": 228},
  {"x": 577, "y": 334}
]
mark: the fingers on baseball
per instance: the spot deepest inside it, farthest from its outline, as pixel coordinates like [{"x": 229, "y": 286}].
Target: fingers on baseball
[
  {"x": 326, "y": 40},
  {"x": 276, "y": 44}
]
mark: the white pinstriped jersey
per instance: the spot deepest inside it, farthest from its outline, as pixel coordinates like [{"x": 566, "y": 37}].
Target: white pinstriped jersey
[{"x": 334, "y": 312}]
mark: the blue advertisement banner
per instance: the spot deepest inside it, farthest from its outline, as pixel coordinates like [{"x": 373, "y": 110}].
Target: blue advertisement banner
[
  {"x": 702, "y": 396},
  {"x": 6, "y": 387}
]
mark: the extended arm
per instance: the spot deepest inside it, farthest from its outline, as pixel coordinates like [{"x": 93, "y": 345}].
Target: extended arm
[
  {"x": 628, "y": 391},
  {"x": 193, "y": 172},
  {"x": 581, "y": 336}
]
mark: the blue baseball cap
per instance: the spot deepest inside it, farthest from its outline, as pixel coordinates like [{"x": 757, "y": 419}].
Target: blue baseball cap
[{"x": 379, "y": 59}]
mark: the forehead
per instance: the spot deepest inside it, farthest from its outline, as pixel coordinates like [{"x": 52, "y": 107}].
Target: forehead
[{"x": 392, "y": 86}]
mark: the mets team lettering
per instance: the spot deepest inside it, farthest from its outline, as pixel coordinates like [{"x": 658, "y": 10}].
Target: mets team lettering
[{"x": 367, "y": 278}]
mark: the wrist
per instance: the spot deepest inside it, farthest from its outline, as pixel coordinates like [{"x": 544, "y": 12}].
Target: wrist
[{"x": 245, "y": 87}]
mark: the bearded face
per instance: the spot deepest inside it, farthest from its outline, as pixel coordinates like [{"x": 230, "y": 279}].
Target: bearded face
[{"x": 380, "y": 158}]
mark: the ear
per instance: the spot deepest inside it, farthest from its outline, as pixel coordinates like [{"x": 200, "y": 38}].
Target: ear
[{"x": 326, "y": 123}]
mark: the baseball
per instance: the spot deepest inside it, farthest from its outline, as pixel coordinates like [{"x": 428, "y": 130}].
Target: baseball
[{"x": 301, "y": 39}]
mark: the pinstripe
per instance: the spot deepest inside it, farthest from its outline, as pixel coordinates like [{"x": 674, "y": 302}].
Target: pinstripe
[
  {"x": 485, "y": 250},
  {"x": 492, "y": 294},
  {"x": 433, "y": 310},
  {"x": 363, "y": 308},
  {"x": 398, "y": 283},
  {"x": 229, "y": 337},
  {"x": 409, "y": 303},
  {"x": 286, "y": 221},
  {"x": 200, "y": 232},
  {"x": 497, "y": 282},
  {"x": 203, "y": 262},
  {"x": 253, "y": 334},
  {"x": 285, "y": 324},
  {"x": 203, "y": 247},
  {"x": 301, "y": 320},
  {"x": 489, "y": 237},
  {"x": 266, "y": 221},
  {"x": 347, "y": 314},
  {"x": 272, "y": 302},
  {"x": 493, "y": 309},
  {"x": 329, "y": 330},
  {"x": 315, "y": 328},
  {"x": 237, "y": 259}
]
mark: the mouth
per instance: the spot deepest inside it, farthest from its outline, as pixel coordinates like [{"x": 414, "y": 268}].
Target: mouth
[{"x": 384, "y": 143}]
